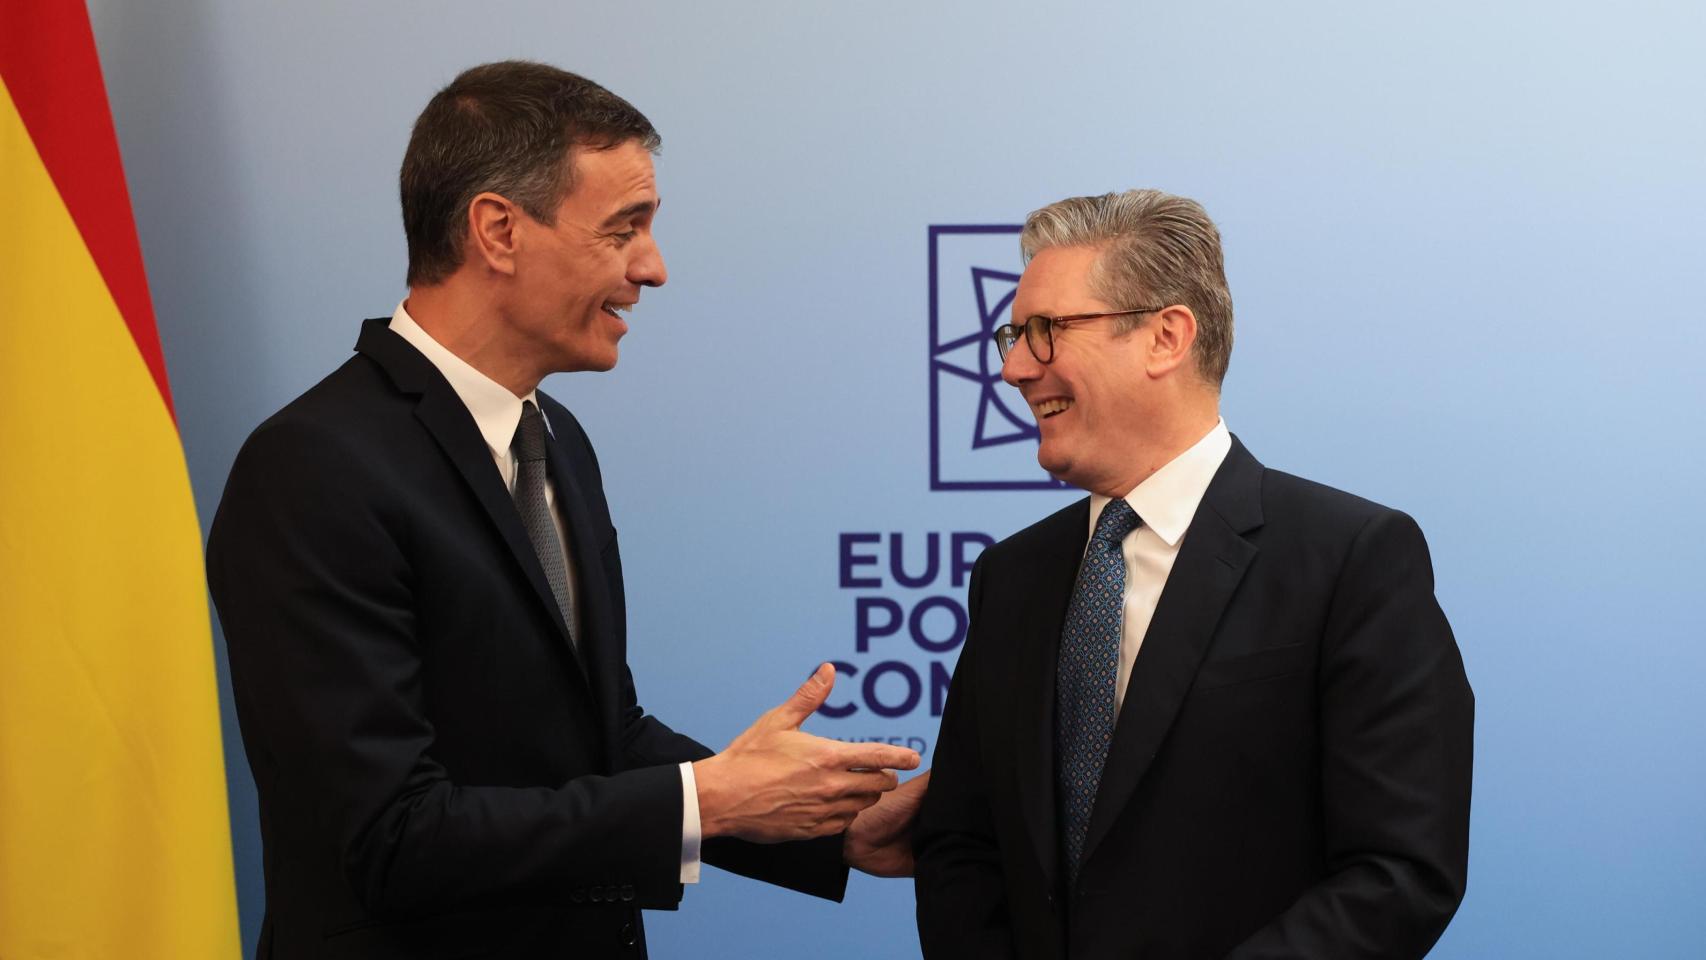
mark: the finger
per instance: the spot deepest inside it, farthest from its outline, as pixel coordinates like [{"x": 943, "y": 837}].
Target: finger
[
  {"x": 872, "y": 756},
  {"x": 805, "y": 701},
  {"x": 839, "y": 806},
  {"x": 873, "y": 782},
  {"x": 878, "y": 781}
]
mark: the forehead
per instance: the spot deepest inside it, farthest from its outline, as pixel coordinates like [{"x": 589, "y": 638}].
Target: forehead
[
  {"x": 1056, "y": 282},
  {"x": 617, "y": 176}
]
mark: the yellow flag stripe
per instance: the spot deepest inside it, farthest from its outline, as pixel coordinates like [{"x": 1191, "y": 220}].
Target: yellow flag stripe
[{"x": 114, "y": 837}]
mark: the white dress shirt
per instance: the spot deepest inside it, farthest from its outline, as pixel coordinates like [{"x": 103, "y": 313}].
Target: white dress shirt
[
  {"x": 497, "y": 412},
  {"x": 1166, "y": 501}
]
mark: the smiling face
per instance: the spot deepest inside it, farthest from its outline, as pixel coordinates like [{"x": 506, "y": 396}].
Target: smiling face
[
  {"x": 573, "y": 279},
  {"x": 1094, "y": 401}
]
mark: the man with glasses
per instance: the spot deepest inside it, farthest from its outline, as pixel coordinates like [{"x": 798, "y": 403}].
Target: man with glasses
[{"x": 1212, "y": 710}]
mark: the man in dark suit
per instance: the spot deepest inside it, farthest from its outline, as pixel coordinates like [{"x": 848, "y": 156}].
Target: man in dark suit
[
  {"x": 1213, "y": 710},
  {"x": 422, "y": 595}
]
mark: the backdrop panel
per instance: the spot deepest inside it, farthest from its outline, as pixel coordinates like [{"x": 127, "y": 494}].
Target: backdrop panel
[{"x": 1464, "y": 245}]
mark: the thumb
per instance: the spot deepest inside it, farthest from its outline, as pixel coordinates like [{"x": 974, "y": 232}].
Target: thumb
[
  {"x": 915, "y": 788},
  {"x": 808, "y": 698}
]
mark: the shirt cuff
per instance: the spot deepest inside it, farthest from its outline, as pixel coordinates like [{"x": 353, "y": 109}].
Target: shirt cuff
[{"x": 689, "y": 825}]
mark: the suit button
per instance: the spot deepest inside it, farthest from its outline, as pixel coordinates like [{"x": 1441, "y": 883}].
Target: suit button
[
  {"x": 627, "y": 893},
  {"x": 627, "y": 934},
  {"x": 610, "y": 894},
  {"x": 596, "y": 895},
  {"x": 577, "y": 895}
]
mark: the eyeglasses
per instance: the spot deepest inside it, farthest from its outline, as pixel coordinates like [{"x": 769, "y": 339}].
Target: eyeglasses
[{"x": 1039, "y": 331}]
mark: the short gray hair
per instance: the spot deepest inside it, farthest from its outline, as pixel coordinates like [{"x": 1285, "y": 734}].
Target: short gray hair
[{"x": 1155, "y": 248}]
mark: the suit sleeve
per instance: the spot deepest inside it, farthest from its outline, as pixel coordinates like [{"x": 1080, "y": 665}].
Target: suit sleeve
[
  {"x": 961, "y": 897},
  {"x": 1397, "y": 725},
  {"x": 311, "y": 575}
]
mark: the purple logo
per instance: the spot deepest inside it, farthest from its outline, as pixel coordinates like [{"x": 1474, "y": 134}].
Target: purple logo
[{"x": 982, "y": 436}]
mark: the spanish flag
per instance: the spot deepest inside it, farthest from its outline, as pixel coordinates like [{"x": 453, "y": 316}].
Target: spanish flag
[{"x": 114, "y": 837}]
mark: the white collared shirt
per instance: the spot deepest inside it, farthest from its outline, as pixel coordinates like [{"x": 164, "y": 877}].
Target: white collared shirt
[
  {"x": 497, "y": 413},
  {"x": 1166, "y": 501}
]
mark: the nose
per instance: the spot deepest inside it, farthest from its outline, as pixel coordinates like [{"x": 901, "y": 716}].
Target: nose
[
  {"x": 647, "y": 269},
  {"x": 1021, "y": 365}
]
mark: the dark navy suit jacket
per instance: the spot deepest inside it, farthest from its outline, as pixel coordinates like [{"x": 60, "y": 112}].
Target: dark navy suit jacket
[
  {"x": 1290, "y": 769},
  {"x": 440, "y": 775}
]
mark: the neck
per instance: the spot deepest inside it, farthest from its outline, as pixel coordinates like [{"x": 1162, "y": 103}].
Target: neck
[{"x": 465, "y": 322}]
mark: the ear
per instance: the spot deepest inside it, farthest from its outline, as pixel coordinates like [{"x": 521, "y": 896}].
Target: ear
[
  {"x": 1174, "y": 330},
  {"x": 492, "y": 223}
]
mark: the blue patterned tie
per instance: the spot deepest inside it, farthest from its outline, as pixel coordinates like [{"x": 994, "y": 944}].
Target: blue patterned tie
[{"x": 1089, "y": 665}]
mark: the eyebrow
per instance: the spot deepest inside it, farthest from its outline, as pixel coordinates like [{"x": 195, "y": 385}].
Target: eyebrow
[{"x": 631, "y": 211}]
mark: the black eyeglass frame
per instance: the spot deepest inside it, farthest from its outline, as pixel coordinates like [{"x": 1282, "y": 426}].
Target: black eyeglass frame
[{"x": 1007, "y": 335}]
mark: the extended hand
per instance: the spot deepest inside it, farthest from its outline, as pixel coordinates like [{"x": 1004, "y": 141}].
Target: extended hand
[
  {"x": 776, "y": 783},
  {"x": 880, "y": 840}
]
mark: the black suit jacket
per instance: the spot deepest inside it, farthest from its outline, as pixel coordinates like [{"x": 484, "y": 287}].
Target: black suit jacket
[
  {"x": 439, "y": 773},
  {"x": 1289, "y": 773}
]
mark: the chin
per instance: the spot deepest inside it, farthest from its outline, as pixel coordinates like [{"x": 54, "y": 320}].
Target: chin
[
  {"x": 607, "y": 353},
  {"x": 586, "y": 363},
  {"x": 1057, "y": 466},
  {"x": 1070, "y": 471}
]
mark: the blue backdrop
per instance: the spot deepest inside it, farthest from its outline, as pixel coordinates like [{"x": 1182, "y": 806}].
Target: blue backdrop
[{"x": 1464, "y": 243}]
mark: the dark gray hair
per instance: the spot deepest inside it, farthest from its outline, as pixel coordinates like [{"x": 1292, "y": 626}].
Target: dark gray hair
[
  {"x": 505, "y": 128},
  {"x": 1155, "y": 249}
]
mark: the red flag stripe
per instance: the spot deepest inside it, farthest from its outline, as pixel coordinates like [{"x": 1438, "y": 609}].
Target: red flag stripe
[{"x": 49, "y": 63}]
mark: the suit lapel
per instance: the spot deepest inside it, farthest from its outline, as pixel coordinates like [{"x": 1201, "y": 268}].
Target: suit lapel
[
  {"x": 445, "y": 417},
  {"x": 1211, "y": 563},
  {"x": 1056, "y": 568}
]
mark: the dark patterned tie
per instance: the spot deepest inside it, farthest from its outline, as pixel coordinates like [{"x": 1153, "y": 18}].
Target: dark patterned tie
[
  {"x": 1089, "y": 665},
  {"x": 529, "y": 450}
]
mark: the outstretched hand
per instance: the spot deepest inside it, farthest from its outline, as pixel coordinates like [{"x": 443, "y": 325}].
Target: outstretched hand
[{"x": 775, "y": 782}]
